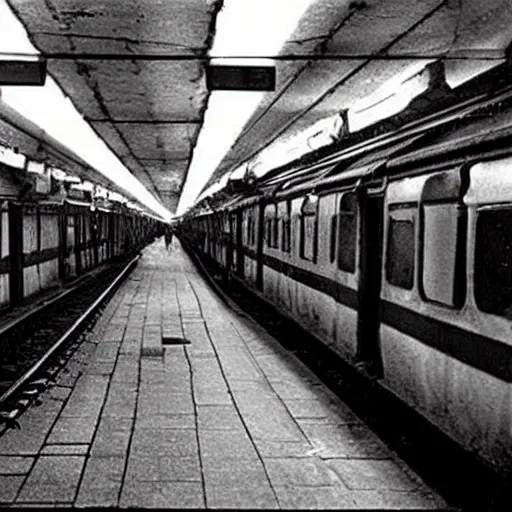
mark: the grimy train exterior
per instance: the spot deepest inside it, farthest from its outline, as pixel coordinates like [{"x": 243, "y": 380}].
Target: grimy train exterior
[{"x": 393, "y": 247}]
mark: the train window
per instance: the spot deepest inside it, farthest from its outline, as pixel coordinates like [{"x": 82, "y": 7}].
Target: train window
[
  {"x": 440, "y": 228},
  {"x": 286, "y": 229},
  {"x": 271, "y": 226},
  {"x": 285, "y": 235},
  {"x": 308, "y": 228},
  {"x": 70, "y": 232},
  {"x": 233, "y": 225},
  {"x": 250, "y": 230},
  {"x": 252, "y": 239},
  {"x": 275, "y": 234},
  {"x": 400, "y": 250},
  {"x": 347, "y": 233},
  {"x": 493, "y": 262},
  {"x": 334, "y": 228}
]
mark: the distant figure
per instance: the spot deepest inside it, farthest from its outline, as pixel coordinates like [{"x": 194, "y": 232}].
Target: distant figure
[{"x": 168, "y": 237}]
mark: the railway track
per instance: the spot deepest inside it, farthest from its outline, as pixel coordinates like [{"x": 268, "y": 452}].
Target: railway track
[{"x": 34, "y": 341}]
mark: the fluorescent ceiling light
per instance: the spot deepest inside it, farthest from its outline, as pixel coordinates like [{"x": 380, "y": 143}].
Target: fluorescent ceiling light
[
  {"x": 53, "y": 112},
  {"x": 248, "y": 28}
]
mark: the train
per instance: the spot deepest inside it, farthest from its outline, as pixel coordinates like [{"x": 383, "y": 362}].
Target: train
[
  {"x": 55, "y": 225},
  {"x": 50, "y": 241},
  {"x": 393, "y": 247}
]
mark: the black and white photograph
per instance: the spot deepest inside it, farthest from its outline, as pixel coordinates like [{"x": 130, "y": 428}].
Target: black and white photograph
[{"x": 256, "y": 254}]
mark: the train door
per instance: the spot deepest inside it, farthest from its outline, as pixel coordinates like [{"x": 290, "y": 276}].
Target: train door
[{"x": 370, "y": 267}]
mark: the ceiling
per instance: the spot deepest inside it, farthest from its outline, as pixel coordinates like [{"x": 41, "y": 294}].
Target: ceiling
[{"x": 149, "y": 111}]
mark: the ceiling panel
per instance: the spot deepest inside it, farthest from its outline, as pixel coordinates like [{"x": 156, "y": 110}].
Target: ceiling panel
[
  {"x": 152, "y": 99},
  {"x": 164, "y": 140}
]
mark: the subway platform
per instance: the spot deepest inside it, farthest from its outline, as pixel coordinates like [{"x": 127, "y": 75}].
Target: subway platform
[{"x": 176, "y": 400}]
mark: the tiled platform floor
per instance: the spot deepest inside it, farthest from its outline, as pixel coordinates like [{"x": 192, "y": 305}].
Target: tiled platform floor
[{"x": 230, "y": 420}]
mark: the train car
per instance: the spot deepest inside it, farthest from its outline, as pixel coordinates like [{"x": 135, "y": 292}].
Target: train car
[
  {"x": 46, "y": 243},
  {"x": 399, "y": 259}
]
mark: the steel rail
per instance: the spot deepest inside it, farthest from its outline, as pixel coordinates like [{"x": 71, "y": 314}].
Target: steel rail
[{"x": 77, "y": 324}]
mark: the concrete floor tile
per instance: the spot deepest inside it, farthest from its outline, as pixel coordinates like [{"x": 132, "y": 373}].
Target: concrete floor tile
[
  {"x": 121, "y": 401},
  {"x": 133, "y": 334},
  {"x": 9, "y": 487},
  {"x": 179, "y": 443},
  {"x": 53, "y": 478},
  {"x": 126, "y": 370},
  {"x": 283, "y": 449},
  {"x": 372, "y": 475},
  {"x": 106, "y": 495},
  {"x": 162, "y": 495},
  {"x": 99, "y": 470},
  {"x": 320, "y": 410},
  {"x": 87, "y": 397},
  {"x": 296, "y": 390},
  {"x": 214, "y": 394},
  {"x": 149, "y": 365},
  {"x": 163, "y": 421},
  {"x": 226, "y": 443},
  {"x": 57, "y": 393},
  {"x": 73, "y": 430},
  {"x": 222, "y": 496},
  {"x": 238, "y": 473},
  {"x": 114, "y": 332},
  {"x": 142, "y": 467},
  {"x": 130, "y": 348},
  {"x": 237, "y": 363},
  {"x": 296, "y": 497},
  {"x": 178, "y": 384},
  {"x": 206, "y": 369},
  {"x": 224, "y": 335},
  {"x": 101, "y": 368},
  {"x": 105, "y": 352},
  {"x": 396, "y": 500},
  {"x": 152, "y": 341},
  {"x": 175, "y": 359},
  {"x": 195, "y": 331},
  {"x": 111, "y": 441},
  {"x": 238, "y": 386},
  {"x": 149, "y": 377},
  {"x": 35, "y": 425},
  {"x": 65, "y": 449},
  {"x": 301, "y": 472},
  {"x": 163, "y": 402},
  {"x": 13, "y": 465},
  {"x": 344, "y": 441},
  {"x": 66, "y": 380},
  {"x": 180, "y": 469},
  {"x": 279, "y": 425},
  {"x": 218, "y": 417}
]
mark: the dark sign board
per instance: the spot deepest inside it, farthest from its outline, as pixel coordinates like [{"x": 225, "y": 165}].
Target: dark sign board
[
  {"x": 240, "y": 78},
  {"x": 22, "y": 72}
]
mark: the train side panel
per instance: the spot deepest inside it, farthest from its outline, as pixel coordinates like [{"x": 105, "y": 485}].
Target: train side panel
[{"x": 429, "y": 337}]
